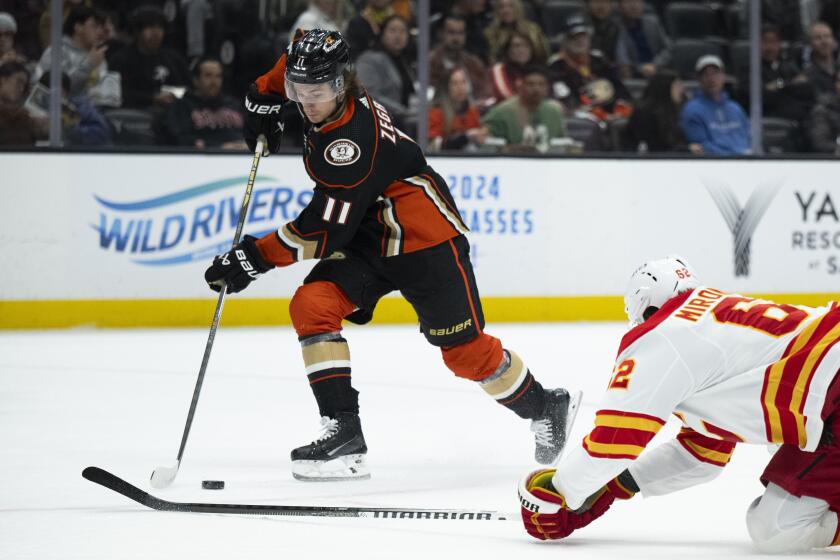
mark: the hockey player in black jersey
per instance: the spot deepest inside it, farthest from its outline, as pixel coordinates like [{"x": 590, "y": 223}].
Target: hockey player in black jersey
[{"x": 381, "y": 219}]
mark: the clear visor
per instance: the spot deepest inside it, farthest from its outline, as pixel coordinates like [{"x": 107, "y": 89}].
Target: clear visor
[{"x": 313, "y": 93}]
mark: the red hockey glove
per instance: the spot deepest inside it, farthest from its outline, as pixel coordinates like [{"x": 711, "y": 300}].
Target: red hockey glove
[{"x": 544, "y": 511}]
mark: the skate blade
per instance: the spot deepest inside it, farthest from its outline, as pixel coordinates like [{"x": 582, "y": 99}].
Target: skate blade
[
  {"x": 574, "y": 406},
  {"x": 347, "y": 467},
  {"x": 553, "y": 457}
]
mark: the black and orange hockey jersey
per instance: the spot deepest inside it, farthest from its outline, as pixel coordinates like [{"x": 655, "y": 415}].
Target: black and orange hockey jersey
[{"x": 374, "y": 191}]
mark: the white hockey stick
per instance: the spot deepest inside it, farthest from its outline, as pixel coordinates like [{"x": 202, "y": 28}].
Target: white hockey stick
[{"x": 163, "y": 476}]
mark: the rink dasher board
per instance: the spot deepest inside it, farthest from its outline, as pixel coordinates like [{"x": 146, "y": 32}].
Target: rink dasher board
[{"x": 127, "y": 237}]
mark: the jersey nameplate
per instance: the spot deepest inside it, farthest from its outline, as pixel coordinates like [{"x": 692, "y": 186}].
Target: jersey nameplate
[
  {"x": 342, "y": 152},
  {"x": 386, "y": 129}
]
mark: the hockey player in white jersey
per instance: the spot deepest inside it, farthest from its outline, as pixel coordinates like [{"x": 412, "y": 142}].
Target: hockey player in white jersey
[{"x": 734, "y": 370}]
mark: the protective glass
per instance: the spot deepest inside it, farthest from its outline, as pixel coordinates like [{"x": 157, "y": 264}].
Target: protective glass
[{"x": 314, "y": 93}]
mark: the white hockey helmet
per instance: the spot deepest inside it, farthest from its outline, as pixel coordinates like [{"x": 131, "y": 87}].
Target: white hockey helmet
[{"x": 654, "y": 283}]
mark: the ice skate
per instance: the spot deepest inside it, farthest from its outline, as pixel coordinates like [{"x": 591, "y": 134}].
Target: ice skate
[
  {"x": 551, "y": 430},
  {"x": 337, "y": 454}
]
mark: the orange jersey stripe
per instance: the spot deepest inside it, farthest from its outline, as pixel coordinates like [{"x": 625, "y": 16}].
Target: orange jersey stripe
[{"x": 422, "y": 223}]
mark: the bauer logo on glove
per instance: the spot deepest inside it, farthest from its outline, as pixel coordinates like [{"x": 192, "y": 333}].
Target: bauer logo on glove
[{"x": 238, "y": 270}]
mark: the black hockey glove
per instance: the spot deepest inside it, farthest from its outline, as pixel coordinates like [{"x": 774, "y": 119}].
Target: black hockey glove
[
  {"x": 263, "y": 115},
  {"x": 237, "y": 268}
]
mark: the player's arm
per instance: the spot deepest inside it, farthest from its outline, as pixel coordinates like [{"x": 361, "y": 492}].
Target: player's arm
[
  {"x": 649, "y": 380},
  {"x": 327, "y": 224},
  {"x": 344, "y": 193},
  {"x": 264, "y": 105},
  {"x": 687, "y": 460}
]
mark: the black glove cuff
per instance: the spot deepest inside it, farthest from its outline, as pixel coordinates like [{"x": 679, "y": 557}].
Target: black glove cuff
[
  {"x": 250, "y": 245},
  {"x": 626, "y": 479}
]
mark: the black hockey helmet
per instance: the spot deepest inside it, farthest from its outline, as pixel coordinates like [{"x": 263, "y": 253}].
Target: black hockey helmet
[{"x": 318, "y": 57}]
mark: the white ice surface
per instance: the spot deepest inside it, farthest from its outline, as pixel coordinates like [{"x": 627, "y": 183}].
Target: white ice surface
[{"x": 118, "y": 400}]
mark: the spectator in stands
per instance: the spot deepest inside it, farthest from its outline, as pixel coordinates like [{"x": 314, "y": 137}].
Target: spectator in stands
[
  {"x": 81, "y": 122},
  {"x": 454, "y": 121},
  {"x": 711, "y": 121},
  {"x": 45, "y": 19},
  {"x": 17, "y": 128},
  {"x": 605, "y": 27},
  {"x": 322, "y": 14},
  {"x": 451, "y": 53},
  {"x": 506, "y": 75},
  {"x": 113, "y": 37},
  {"x": 8, "y": 29},
  {"x": 825, "y": 123},
  {"x": 643, "y": 46},
  {"x": 386, "y": 73},
  {"x": 26, "y": 17},
  {"x": 151, "y": 75},
  {"x": 787, "y": 93},
  {"x": 655, "y": 123},
  {"x": 364, "y": 28},
  {"x": 83, "y": 59},
  {"x": 205, "y": 117},
  {"x": 531, "y": 118},
  {"x": 821, "y": 64},
  {"x": 784, "y": 15},
  {"x": 508, "y": 19},
  {"x": 583, "y": 79},
  {"x": 829, "y": 13},
  {"x": 477, "y": 18}
]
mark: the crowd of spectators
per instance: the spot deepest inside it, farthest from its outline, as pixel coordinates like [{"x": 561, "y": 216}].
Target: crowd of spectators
[{"x": 516, "y": 76}]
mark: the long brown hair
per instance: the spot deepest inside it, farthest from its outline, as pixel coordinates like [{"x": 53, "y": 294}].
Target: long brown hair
[
  {"x": 445, "y": 102},
  {"x": 352, "y": 85}
]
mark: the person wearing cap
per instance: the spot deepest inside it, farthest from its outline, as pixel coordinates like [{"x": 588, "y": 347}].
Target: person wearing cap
[
  {"x": 8, "y": 30},
  {"x": 577, "y": 67},
  {"x": 712, "y": 122}
]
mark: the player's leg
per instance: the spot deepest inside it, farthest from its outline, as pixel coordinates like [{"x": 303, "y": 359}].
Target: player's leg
[
  {"x": 335, "y": 290},
  {"x": 779, "y": 522},
  {"x": 440, "y": 285},
  {"x": 798, "y": 510}
]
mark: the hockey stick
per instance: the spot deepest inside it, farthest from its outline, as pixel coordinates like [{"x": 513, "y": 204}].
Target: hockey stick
[
  {"x": 115, "y": 483},
  {"x": 163, "y": 476}
]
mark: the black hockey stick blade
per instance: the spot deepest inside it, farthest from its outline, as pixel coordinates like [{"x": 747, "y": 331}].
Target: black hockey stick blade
[{"x": 115, "y": 483}]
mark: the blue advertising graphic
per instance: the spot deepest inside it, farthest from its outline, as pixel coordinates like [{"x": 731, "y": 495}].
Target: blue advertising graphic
[
  {"x": 477, "y": 196},
  {"x": 195, "y": 223}
]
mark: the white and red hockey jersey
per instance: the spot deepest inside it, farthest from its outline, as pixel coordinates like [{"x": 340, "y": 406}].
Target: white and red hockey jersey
[{"x": 731, "y": 368}]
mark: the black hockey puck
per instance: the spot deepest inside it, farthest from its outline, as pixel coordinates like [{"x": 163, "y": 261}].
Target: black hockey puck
[{"x": 213, "y": 484}]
